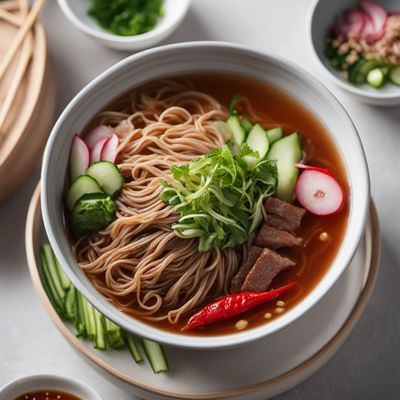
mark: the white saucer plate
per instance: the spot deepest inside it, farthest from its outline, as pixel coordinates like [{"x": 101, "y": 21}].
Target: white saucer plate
[{"x": 259, "y": 370}]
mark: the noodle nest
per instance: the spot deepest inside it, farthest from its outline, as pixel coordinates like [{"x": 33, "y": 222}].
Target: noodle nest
[{"x": 138, "y": 262}]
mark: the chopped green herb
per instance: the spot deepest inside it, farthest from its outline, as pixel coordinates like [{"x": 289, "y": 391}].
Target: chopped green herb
[
  {"x": 219, "y": 196},
  {"x": 126, "y": 17}
]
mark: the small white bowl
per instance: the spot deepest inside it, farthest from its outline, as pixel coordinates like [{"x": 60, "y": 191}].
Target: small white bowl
[
  {"x": 47, "y": 382},
  {"x": 322, "y": 16},
  {"x": 186, "y": 58},
  {"x": 174, "y": 12}
]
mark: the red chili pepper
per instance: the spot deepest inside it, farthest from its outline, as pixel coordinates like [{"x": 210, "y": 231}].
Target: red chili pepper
[{"x": 232, "y": 305}]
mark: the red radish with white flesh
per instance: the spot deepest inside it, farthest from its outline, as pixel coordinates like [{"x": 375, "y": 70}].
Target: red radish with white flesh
[
  {"x": 79, "y": 157},
  {"x": 110, "y": 149},
  {"x": 351, "y": 23},
  {"x": 96, "y": 134},
  {"x": 378, "y": 16},
  {"x": 95, "y": 152},
  {"x": 319, "y": 192}
]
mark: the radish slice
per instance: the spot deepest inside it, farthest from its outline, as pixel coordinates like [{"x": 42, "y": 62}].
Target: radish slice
[
  {"x": 356, "y": 22},
  {"x": 97, "y": 134},
  {"x": 378, "y": 16},
  {"x": 319, "y": 192},
  {"x": 95, "y": 152},
  {"x": 350, "y": 24},
  {"x": 110, "y": 149},
  {"x": 79, "y": 157},
  {"x": 368, "y": 32}
]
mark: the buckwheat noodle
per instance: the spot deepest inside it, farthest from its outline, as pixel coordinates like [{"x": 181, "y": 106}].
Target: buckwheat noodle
[{"x": 138, "y": 262}]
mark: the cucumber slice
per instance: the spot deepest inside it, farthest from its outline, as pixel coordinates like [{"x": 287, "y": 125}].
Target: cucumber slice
[
  {"x": 274, "y": 134},
  {"x": 92, "y": 213},
  {"x": 258, "y": 140},
  {"x": 394, "y": 75},
  {"x": 237, "y": 129},
  {"x": 84, "y": 184},
  {"x": 223, "y": 129},
  {"x": 247, "y": 124},
  {"x": 286, "y": 152},
  {"x": 108, "y": 176},
  {"x": 369, "y": 64},
  {"x": 376, "y": 77},
  {"x": 356, "y": 75}
]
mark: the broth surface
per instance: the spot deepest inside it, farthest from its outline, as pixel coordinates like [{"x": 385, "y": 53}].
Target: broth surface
[
  {"x": 48, "y": 395},
  {"x": 276, "y": 108}
]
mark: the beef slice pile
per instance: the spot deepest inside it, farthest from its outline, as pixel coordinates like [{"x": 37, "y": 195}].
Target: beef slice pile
[{"x": 263, "y": 262}]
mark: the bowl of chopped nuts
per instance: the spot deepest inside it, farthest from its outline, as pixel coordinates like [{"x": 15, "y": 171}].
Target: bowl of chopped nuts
[{"x": 358, "y": 44}]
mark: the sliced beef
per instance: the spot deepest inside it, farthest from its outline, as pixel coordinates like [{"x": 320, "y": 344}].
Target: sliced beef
[
  {"x": 267, "y": 266},
  {"x": 238, "y": 279},
  {"x": 287, "y": 211},
  {"x": 280, "y": 223},
  {"x": 275, "y": 238}
]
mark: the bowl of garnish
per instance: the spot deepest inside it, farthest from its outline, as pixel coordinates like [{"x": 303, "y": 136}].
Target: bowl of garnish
[
  {"x": 126, "y": 24},
  {"x": 202, "y": 204},
  {"x": 47, "y": 387},
  {"x": 358, "y": 43}
]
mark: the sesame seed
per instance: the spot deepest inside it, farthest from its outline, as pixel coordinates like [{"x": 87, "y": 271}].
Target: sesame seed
[
  {"x": 241, "y": 324},
  {"x": 268, "y": 315},
  {"x": 280, "y": 303},
  {"x": 279, "y": 310},
  {"x": 324, "y": 236}
]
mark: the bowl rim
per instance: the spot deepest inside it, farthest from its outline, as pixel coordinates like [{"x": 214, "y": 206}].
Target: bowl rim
[
  {"x": 216, "y": 341},
  {"x": 379, "y": 95},
  {"x": 67, "y": 380},
  {"x": 105, "y": 36}
]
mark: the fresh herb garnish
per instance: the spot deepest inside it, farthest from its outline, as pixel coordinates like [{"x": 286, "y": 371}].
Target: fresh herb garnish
[
  {"x": 126, "y": 17},
  {"x": 219, "y": 196}
]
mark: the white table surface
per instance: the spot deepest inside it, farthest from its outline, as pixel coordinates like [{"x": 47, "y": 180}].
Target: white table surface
[{"x": 368, "y": 365}]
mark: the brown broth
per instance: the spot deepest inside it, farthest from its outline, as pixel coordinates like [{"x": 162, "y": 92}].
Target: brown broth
[
  {"x": 48, "y": 395},
  {"x": 276, "y": 108}
]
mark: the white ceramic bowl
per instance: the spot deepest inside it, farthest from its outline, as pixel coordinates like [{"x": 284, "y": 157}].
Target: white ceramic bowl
[
  {"x": 322, "y": 16},
  {"x": 186, "y": 58},
  {"x": 174, "y": 12},
  {"x": 47, "y": 382}
]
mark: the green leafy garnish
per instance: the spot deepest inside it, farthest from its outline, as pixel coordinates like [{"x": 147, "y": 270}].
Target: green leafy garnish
[
  {"x": 219, "y": 196},
  {"x": 126, "y": 17}
]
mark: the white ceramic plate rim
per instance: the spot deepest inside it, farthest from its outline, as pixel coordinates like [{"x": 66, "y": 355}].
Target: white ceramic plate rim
[
  {"x": 152, "y": 34},
  {"x": 342, "y": 83},
  {"x": 340, "y": 263}
]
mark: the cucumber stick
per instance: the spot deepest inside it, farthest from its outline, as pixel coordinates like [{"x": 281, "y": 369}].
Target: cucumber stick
[
  {"x": 84, "y": 184},
  {"x": 108, "y": 176},
  {"x": 53, "y": 287},
  {"x": 238, "y": 131},
  {"x": 70, "y": 306},
  {"x": 258, "y": 140},
  {"x": 132, "y": 342},
  {"x": 100, "y": 338},
  {"x": 156, "y": 356},
  {"x": 286, "y": 152}
]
